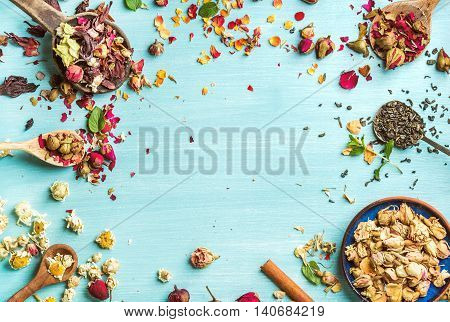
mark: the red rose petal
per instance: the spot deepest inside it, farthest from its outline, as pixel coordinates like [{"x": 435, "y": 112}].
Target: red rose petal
[
  {"x": 63, "y": 117},
  {"x": 299, "y": 16},
  {"x": 250, "y": 88},
  {"x": 344, "y": 39},
  {"x": 348, "y": 80},
  {"x": 172, "y": 39},
  {"x": 368, "y": 6},
  {"x": 341, "y": 48}
]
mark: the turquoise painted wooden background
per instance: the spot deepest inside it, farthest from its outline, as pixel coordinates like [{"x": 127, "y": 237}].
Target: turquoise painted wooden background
[{"x": 247, "y": 219}]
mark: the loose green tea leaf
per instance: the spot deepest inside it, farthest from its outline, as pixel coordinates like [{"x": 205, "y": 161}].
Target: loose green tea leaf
[
  {"x": 308, "y": 272},
  {"x": 96, "y": 121},
  {"x": 133, "y": 4},
  {"x": 208, "y": 9}
]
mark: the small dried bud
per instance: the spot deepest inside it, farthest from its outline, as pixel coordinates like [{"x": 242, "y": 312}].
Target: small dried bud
[
  {"x": 74, "y": 73},
  {"x": 52, "y": 143},
  {"x": 443, "y": 250},
  {"x": 162, "y": 3},
  {"x": 101, "y": 51},
  {"x": 360, "y": 46},
  {"x": 179, "y": 295},
  {"x": 156, "y": 49},
  {"x": 65, "y": 148},
  {"x": 308, "y": 31},
  {"x": 84, "y": 170},
  {"x": 96, "y": 160},
  {"x": 388, "y": 41},
  {"x": 249, "y": 297},
  {"x": 32, "y": 249},
  {"x": 202, "y": 257},
  {"x": 305, "y": 46},
  {"x": 395, "y": 57},
  {"x": 443, "y": 61},
  {"x": 324, "y": 47},
  {"x": 135, "y": 83},
  {"x": 98, "y": 289},
  {"x": 54, "y": 93}
]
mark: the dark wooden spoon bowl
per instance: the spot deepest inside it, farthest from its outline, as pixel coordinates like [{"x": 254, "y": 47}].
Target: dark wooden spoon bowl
[
  {"x": 50, "y": 19},
  {"x": 42, "y": 277}
]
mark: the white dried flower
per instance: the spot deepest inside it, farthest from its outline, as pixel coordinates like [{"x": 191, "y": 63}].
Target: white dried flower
[
  {"x": 10, "y": 243},
  {"x": 74, "y": 222},
  {"x": 97, "y": 257},
  {"x": 111, "y": 266},
  {"x": 23, "y": 240},
  {"x": 83, "y": 270},
  {"x": 111, "y": 282},
  {"x": 69, "y": 294},
  {"x": 164, "y": 275},
  {"x": 3, "y": 252},
  {"x": 3, "y": 222},
  {"x": 94, "y": 272},
  {"x": 73, "y": 281},
  {"x": 24, "y": 213},
  {"x": 60, "y": 190},
  {"x": 279, "y": 295}
]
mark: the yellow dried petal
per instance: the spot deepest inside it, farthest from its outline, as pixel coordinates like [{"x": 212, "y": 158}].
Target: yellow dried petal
[
  {"x": 354, "y": 127},
  {"x": 164, "y": 33},
  {"x": 275, "y": 41},
  {"x": 288, "y": 25},
  {"x": 277, "y": 3},
  {"x": 271, "y": 19},
  {"x": 178, "y": 11},
  {"x": 159, "y": 21},
  {"x": 311, "y": 70},
  {"x": 204, "y": 91},
  {"x": 161, "y": 74},
  {"x": 369, "y": 154},
  {"x": 57, "y": 269},
  {"x": 322, "y": 78},
  {"x": 245, "y": 19}
]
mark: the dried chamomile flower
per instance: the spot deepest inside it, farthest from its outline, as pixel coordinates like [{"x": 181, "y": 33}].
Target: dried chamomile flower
[
  {"x": 19, "y": 260},
  {"x": 74, "y": 222},
  {"x": 73, "y": 281},
  {"x": 106, "y": 239},
  {"x": 40, "y": 226},
  {"x": 111, "y": 266},
  {"x": 94, "y": 272},
  {"x": 164, "y": 275},
  {"x": 3, "y": 223},
  {"x": 111, "y": 282},
  {"x": 69, "y": 294},
  {"x": 279, "y": 295},
  {"x": 97, "y": 257},
  {"x": 10, "y": 243},
  {"x": 24, "y": 213},
  {"x": 50, "y": 299},
  {"x": 23, "y": 240},
  {"x": 57, "y": 265},
  {"x": 60, "y": 190},
  {"x": 4, "y": 253},
  {"x": 82, "y": 270}
]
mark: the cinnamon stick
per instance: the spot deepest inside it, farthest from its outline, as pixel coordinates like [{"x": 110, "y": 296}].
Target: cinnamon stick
[{"x": 285, "y": 283}]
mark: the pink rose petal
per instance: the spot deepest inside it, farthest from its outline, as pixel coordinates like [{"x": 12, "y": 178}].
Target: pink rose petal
[{"x": 348, "y": 80}]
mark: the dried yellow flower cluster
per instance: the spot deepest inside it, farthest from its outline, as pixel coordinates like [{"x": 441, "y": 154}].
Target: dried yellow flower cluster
[
  {"x": 106, "y": 239},
  {"x": 396, "y": 257}
]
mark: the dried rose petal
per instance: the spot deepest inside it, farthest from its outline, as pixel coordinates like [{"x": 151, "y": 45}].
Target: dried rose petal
[
  {"x": 192, "y": 11},
  {"x": 369, "y": 5},
  {"x": 29, "y": 44},
  {"x": 299, "y": 16},
  {"x": 348, "y": 80},
  {"x": 305, "y": 46},
  {"x": 249, "y": 297},
  {"x": 214, "y": 52}
]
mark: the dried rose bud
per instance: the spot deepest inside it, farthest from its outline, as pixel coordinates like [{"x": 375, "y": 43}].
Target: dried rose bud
[
  {"x": 249, "y": 297},
  {"x": 101, "y": 51},
  {"x": 96, "y": 160},
  {"x": 360, "y": 46},
  {"x": 308, "y": 31},
  {"x": 162, "y": 3},
  {"x": 443, "y": 61},
  {"x": 202, "y": 257},
  {"x": 84, "y": 170},
  {"x": 324, "y": 47},
  {"x": 388, "y": 41},
  {"x": 135, "y": 83},
  {"x": 156, "y": 49},
  {"x": 108, "y": 152},
  {"x": 311, "y": 1},
  {"x": 74, "y": 73},
  {"x": 98, "y": 289},
  {"x": 179, "y": 295},
  {"x": 305, "y": 46},
  {"x": 137, "y": 67},
  {"x": 52, "y": 143},
  {"x": 394, "y": 57},
  {"x": 32, "y": 249}
]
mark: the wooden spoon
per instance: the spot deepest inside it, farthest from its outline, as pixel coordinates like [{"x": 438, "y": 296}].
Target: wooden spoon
[
  {"x": 422, "y": 10},
  {"x": 32, "y": 147},
  {"x": 42, "y": 277},
  {"x": 50, "y": 19}
]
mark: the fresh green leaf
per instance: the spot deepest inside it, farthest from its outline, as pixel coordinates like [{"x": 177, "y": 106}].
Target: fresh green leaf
[
  {"x": 308, "y": 272},
  {"x": 314, "y": 265},
  {"x": 133, "y": 4},
  {"x": 357, "y": 150},
  {"x": 209, "y": 9},
  {"x": 96, "y": 121},
  {"x": 388, "y": 148}
]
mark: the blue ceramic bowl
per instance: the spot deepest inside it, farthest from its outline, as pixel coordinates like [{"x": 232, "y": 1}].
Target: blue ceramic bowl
[{"x": 370, "y": 212}]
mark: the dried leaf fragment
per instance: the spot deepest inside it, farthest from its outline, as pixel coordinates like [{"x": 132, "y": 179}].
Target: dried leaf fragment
[{"x": 354, "y": 127}]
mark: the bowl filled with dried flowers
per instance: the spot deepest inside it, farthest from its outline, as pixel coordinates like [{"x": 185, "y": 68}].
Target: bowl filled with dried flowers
[{"x": 397, "y": 250}]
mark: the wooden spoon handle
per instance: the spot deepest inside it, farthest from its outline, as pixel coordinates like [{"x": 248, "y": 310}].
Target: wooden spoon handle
[
  {"x": 436, "y": 145},
  {"x": 12, "y": 146},
  {"x": 28, "y": 290},
  {"x": 42, "y": 13}
]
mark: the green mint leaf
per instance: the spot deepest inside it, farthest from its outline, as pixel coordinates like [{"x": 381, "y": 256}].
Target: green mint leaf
[
  {"x": 357, "y": 150},
  {"x": 96, "y": 121},
  {"x": 388, "y": 148},
  {"x": 209, "y": 9},
  {"x": 314, "y": 265},
  {"x": 133, "y": 4},
  {"x": 308, "y": 272}
]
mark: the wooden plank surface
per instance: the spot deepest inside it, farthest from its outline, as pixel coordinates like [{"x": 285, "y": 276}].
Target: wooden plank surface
[{"x": 245, "y": 218}]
